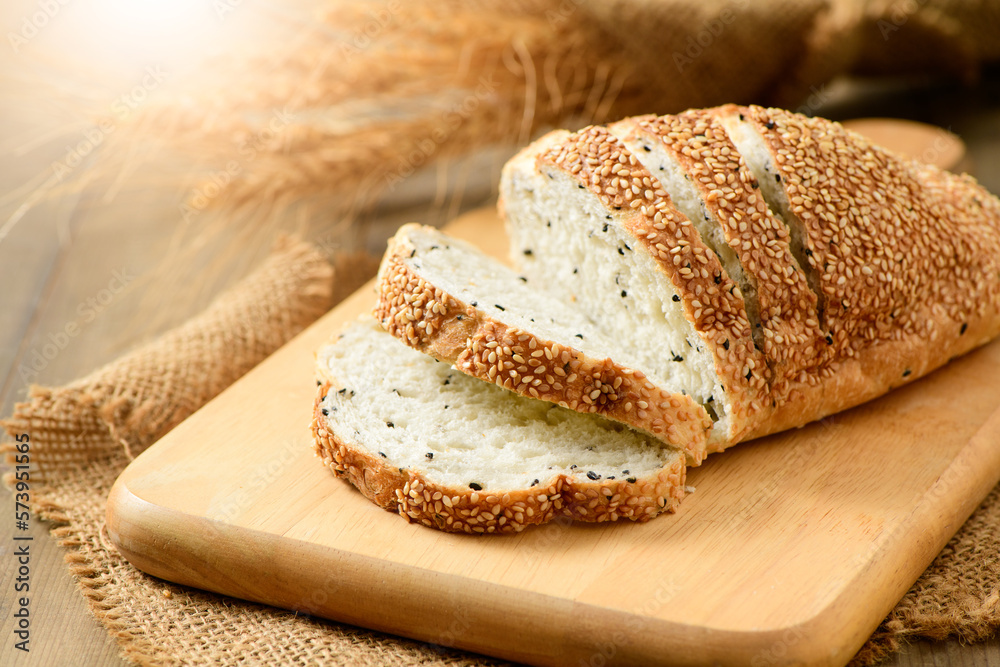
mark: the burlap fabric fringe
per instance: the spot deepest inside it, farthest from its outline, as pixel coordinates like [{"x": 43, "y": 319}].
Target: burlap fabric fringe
[{"x": 83, "y": 435}]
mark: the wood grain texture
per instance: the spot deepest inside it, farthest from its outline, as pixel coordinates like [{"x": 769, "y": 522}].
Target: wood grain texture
[{"x": 792, "y": 548}]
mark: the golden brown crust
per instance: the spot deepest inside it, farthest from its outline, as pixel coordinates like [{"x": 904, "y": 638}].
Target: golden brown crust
[
  {"x": 907, "y": 255},
  {"x": 418, "y": 498},
  {"x": 435, "y": 322},
  {"x": 710, "y": 298}
]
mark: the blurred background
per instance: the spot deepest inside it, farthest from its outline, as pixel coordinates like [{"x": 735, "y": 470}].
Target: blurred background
[{"x": 151, "y": 151}]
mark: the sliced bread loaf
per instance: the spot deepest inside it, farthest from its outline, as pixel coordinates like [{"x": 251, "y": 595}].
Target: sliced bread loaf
[
  {"x": 458, "y": 454},
  {"x": 446, "y": 298},
  {"x": 807, "y": 269}
]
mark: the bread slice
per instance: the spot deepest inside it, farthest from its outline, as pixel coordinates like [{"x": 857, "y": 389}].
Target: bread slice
[
  {"x": 808, "y": 269},
  {"x": 455, "y": 453},
  {"x": 597, "y": 223},
  {"x": 446, "y": 298}
]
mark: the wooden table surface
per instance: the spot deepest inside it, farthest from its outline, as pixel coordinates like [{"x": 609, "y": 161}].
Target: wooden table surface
[{"x": 65, "y": 257}]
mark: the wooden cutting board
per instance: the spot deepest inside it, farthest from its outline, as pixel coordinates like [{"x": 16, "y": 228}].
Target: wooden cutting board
[{"x": 791, "y": 549}]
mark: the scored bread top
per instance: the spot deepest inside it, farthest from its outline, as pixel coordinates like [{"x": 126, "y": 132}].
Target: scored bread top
[
  {"x": 784, "y": 307},
  {"x": 430, "y": 299}
]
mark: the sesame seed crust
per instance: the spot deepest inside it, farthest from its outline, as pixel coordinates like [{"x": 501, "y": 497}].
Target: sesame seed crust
[
  {"x": 786, "y": 307},
  {"x": 907, "y": 256},
  {"x": 417, "y": 498},
  {"x": 449, "y": 329},
  {"x": 712, "y": 301}
]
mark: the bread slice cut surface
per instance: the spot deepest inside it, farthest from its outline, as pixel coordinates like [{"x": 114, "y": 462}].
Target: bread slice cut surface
[
  {"x": 448, "y": 299},
  {"x": 453, "y": 452}
]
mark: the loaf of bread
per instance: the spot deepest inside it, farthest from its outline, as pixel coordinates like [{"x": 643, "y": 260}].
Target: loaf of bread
[
  {"x": 705, "y": 278},
  {"x": 455, "y": 453},
  {"x": 806, "y": 269}
]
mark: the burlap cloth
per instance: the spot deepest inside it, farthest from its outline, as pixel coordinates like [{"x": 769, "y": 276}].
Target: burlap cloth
[{"x": 85, "y": 433}]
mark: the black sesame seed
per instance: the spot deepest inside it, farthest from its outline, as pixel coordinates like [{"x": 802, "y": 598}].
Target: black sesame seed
[
  {"x": 474, "y": 304},
  {"x": 710, "y": 399},
  {"x": 809, "y": 253},
  {"x": 725, "y": 345},
  {"x": 777, "y": 178},
  {"x": 342, "y": 391},
  {"x": 522, "y": 279},
  {"x": 535, "y": 483},
  {"x": 621, "y": 252},
  {"x": 769, "y": 124},
  {"x": 527, "y": 251},
  {"x": 646, "y": 148},
  {"x": 413, "y": 252},
  {"x": 593, "y": 475},
  {"x": 429, "y": 455},
  {"x": 382, "y": 454},
  {"x": 475, "y": 486},
  {"x": 624, "y": 294},
  {"x": 618, "y": 208},
  {"x": 459, "y": 318},
  {"x": 434, "y": 247},
  {"x": 575, "y": 269},
  {"x": 829, "y": 340},
  {"x": 611, "y": 476},
  {"x": 718, "y": 278},
  {"x": 498, "y": 306},
  {"x": 749, "y": 374},
  {"x": 907, "y": 372},
  {"x": 754, "y": 184},
  {"x": 965, "y": 326},
  {"x": 630, "y": 480},
  {"x": 580, "y": 336},
  {"x": 675, "y": 298},
  {"x": 678, "y": 357},
  {"x": 741, "y": 117},
  {"x": 390, "y": 425},
  {"x": 325, "y": 412},
  {"x": 605, "y": 228},
  {"x": 573, "y": 467},
  {"x": 318, "y": 383},
  {"x": 580, "y": 186}
]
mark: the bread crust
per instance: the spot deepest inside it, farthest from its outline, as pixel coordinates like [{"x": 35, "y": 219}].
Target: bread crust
[
  {"x": 418, "y": 498},
  {"x": 908, "y": 263},
  {"x": 449, "y": 329}
]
